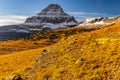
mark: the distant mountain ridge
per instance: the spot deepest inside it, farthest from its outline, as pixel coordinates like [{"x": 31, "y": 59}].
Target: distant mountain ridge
[{"x": 99, "y": 21}]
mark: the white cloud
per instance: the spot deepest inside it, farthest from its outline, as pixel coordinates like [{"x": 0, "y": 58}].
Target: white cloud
[{"x": 11, "y": 19}]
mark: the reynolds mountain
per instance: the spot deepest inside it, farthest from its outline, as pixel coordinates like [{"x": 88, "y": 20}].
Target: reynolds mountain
[{"x": 52, "y": 17}]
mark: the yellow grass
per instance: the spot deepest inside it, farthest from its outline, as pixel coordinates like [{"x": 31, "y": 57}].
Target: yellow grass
[
  {"x": 85, "y": 56},
  {"x": 20, "y": 45},
  {"x": 91, "y": 55},
  {"x": 17, "y": 62},
  {"x": 38, "y": 40}
]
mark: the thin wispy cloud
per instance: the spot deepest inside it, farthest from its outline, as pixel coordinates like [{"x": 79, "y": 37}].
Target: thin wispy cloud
[
  {"x": 11, "y": 19},
  {"x": 80, "y": 16},
  {"x": 77, "y": 13}
]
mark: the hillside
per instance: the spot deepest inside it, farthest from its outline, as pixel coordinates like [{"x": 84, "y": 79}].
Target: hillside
[
  {"x": 87, "y": 56},
  {"x": 68, "y": 54},
  {"x": 18, "y": 55}
]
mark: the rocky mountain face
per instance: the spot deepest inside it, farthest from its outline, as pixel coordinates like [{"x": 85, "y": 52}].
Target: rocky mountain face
[{"x": 52, "y": 17}]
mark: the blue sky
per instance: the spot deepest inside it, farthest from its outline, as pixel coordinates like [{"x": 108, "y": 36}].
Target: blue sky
[{"x": 81, "y": 9}]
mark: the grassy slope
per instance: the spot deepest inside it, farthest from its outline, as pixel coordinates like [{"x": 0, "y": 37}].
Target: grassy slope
[
  {"x": 86, "y": 56},
  {"x": 23, "y": 56},
  {"x": 18, "y": 62},
  {"x": 11, "y": 46}
]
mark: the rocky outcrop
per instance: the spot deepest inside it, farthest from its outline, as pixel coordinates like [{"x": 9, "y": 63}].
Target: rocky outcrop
[
  {"x": 92, "y": 21},
  {"x": 52, "y": 17}
]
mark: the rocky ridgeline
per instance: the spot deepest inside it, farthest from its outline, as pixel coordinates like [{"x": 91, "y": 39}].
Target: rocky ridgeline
[
  {"x": 99, "y": 21},
  {"x": 52, "y": 17}
]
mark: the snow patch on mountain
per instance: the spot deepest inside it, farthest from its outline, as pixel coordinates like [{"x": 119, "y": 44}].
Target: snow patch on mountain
[{"x": 99, "y": 23}]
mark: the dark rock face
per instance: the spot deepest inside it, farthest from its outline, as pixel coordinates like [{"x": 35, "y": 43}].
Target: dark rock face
[{"x": 51, "y": 17}]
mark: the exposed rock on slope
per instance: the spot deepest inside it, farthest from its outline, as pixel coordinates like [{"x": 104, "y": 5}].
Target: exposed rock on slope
[{"x": 52, "y": 17}]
